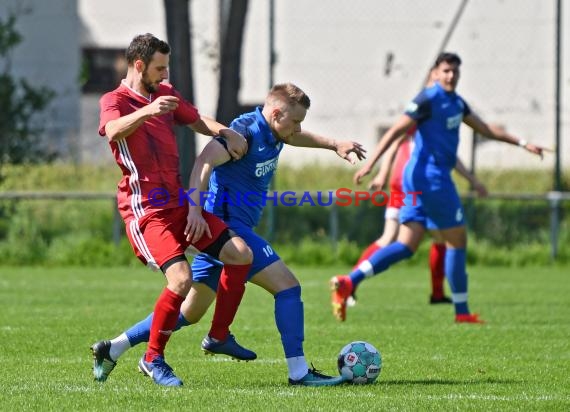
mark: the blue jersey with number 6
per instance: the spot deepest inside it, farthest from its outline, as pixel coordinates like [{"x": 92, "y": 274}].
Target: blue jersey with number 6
[{"x": 439, "y": 115}]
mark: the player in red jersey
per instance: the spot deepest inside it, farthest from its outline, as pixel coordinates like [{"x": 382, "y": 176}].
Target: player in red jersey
[{"x": 138, "y": 118}]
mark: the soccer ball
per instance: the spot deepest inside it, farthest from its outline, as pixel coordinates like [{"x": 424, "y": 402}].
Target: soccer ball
[{"x": 359, "y": 362}]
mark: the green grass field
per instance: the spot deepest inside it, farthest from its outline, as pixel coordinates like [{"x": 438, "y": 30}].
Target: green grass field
[{"x": 519, "y": 360}]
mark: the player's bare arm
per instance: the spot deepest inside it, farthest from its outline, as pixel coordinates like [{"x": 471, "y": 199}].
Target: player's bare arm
[
  {"x": 214, "y": 154},
  {"x": 124, "y": 126},
  {"x": 237, "y": 145},
  {"x": 496, "y": 133},
  {"x": 399, "y": 128},
  {"x": 379, "y": 181},
  {"x": 342, "y": 148},
  {"x": 471, "y": 178}
]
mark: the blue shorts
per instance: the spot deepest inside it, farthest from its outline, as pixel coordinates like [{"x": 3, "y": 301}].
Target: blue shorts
[
  {"x": 207, "y": 270},
  {"x": 437, "y": 207}
]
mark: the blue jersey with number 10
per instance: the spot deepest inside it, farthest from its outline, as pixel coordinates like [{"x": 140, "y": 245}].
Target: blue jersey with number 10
[{"x": 238, "y": 188}]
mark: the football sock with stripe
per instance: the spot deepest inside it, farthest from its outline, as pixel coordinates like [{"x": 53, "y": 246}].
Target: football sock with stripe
[
  {"x": 373, "y": 247},
  {"x": 140, "y": 332},
  {"x": 380, "y": 261},
  {"x": 165, "y": 317},
  {"x": 457, "y": 278}
]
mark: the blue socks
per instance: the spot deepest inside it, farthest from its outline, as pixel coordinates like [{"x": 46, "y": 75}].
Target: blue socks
[
  {"x": 140, "y": 332},
  {"x": 380, "y": 260},
  {"x": 456, "y": 274},
  {"x": 290, "y": 320}
]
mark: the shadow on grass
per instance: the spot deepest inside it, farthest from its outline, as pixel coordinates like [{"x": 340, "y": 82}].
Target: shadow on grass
[{"x": 447, "y": 382}]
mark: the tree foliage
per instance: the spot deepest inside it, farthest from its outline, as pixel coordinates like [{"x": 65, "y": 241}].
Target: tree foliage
[{"x": 20, "y": 102}]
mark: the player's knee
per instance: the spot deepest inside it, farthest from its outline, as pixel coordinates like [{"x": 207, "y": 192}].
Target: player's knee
[
  {"x": 178, "y": 275},
  {"x": 236, "y": 252},
  {"x": 180, "y": 284},
  {"x": 244, "y": 254}
]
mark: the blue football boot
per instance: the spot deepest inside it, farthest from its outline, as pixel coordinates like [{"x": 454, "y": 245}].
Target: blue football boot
[
  {"x": 227, "y": 347},
  {"x": 160, "y": 372}
]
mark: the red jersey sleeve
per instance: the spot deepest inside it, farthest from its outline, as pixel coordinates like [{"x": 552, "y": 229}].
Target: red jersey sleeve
[
  {"x": 186, "y": 113},
  {"x": 109, "y": 110}
]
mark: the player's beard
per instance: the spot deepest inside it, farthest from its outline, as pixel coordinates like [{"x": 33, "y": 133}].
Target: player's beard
[{"x": 148, "y": 85}]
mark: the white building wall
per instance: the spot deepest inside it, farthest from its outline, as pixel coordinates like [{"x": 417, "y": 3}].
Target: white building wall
[
  {"x": 337, "y": 51},
  {"x": 338, "y": 54}
]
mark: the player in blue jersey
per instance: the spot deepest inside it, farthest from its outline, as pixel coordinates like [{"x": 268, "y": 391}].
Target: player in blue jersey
[
  {"x": 238, "y": 191},
  {"x": 438, "y": 112}
]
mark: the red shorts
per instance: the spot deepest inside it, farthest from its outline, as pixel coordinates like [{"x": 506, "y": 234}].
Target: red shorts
[{"x": 159, "y": 236}]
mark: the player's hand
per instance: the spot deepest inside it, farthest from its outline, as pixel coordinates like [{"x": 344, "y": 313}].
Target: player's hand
[
  {"x": 361, "y": 173},
  {"x": 237, "y": 144},
  {"x": 378, "y": 183},
  {"x": 480, "y": 189},
  {"x": 196, "y": 226},
  {"x": 537, "y": 150},
  {"x": 345, "y": 148},
  {"x": 162, "y": 105}
]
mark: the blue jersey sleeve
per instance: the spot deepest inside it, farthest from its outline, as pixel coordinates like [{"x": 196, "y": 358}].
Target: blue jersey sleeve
[
  {"x": 241, "y": 126},
  {"x": 466, "y": 108},
  {"x": 420, "y": 108},
  {"x": 224, "y": 142}
]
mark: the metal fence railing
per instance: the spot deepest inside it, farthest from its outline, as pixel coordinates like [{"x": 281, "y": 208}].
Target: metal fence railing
[{"x": 554, "y": 201}]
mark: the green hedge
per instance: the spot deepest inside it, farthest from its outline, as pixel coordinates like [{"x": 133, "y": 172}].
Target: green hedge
[{"x": 75, "y": 232}]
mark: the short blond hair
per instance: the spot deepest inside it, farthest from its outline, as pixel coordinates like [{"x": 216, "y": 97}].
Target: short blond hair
[{"x": 290, "y": 94}]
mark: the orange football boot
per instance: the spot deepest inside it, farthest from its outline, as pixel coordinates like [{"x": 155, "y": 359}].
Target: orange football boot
[{"x": 341, "y": 288}]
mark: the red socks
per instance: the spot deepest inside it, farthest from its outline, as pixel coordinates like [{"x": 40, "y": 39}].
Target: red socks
[
  {"x": 373, "y": 247},
  {"x": 230, "y": 292},
  {"x": 437, "y": 267},
  {"x": 164, "y": 320}
]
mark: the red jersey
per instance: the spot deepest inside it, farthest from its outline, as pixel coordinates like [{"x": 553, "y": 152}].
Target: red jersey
[
  {"x": 148, "y": 157},
  {"x": 402, "y": 156}
]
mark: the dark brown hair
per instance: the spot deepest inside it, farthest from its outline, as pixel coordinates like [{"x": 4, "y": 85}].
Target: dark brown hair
[
  {"x": 143, "y": 47},
  {"x": 450, "y": 58}
]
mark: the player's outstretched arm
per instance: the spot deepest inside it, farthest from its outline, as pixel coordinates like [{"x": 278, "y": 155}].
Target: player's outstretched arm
[
  {"x": 379, "y": 181},
  {"x": 397, "y": 130},
  {"x": 496, "y": 133},
  {"x": 343, "y": 148},
  {"x": 471, "y": 178},
  {"x": 214, "y": 154}
]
